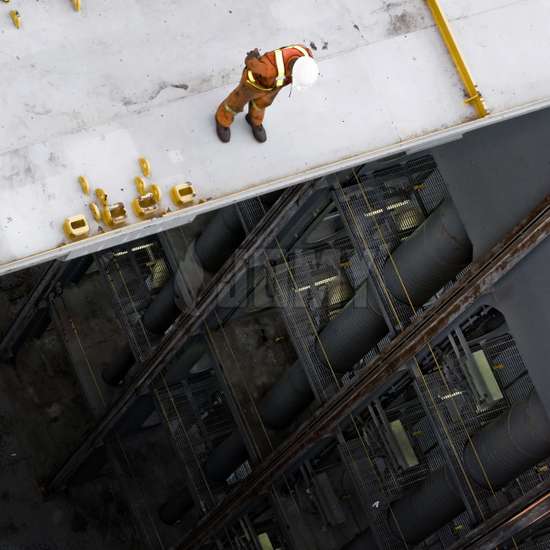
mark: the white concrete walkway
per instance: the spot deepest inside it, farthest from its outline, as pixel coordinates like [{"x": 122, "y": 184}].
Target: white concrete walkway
[{"x": 89, "y": 93}]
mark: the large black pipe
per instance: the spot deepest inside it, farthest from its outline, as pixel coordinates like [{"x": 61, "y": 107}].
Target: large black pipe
[
  {"x": 220, "y": 239},
  {"x": 441, "y": 239},
  {"x": 435, "y": 502},
  {"x": 497, "y": 454},
  {"x": 175, "y": 508},
  {"x": 122, "y": 362},
  {"x": 510, "y": 445},
  {"x": 163, "y": 311},
  {"x": 363, "y": 541},
  {"x": 427, "y": 260},
  {"x": 221, "y": 236}
]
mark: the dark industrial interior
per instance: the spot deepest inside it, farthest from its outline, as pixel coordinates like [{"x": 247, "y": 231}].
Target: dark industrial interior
[{"x": 358, "y": 362}]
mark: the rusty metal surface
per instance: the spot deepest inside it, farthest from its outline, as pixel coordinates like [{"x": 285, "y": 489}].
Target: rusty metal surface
[
  {"x": 524, "y": 512},
  {"x": 185, "y": 326},
  {"x": 481, "y": 277}
]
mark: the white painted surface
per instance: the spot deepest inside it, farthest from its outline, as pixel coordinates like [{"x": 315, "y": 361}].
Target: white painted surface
[{"x": 89, "y": 93}]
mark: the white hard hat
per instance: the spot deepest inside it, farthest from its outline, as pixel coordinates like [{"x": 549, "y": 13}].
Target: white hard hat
[{"x": 305, "y": 72}]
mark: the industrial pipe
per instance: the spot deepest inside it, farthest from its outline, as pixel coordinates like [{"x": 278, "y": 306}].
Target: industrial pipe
[
  {"x": 510, "y": 445},
  {"x": 497, "y": 454},
  {"x": 360, "y": 325},
  {"x": 220, "y": 238},
  {"x": 175, "y": 508},
  {"x": 435, "y": 502},
  {"x": 116, "y": 372}
]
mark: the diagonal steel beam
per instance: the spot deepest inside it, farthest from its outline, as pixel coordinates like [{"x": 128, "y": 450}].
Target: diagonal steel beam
[
  {"x": 482, "y": 275},
  {"x": 185, "y": 326},
  {"x": 45, "y": 286},
  {"x": 529, "y": 509}
]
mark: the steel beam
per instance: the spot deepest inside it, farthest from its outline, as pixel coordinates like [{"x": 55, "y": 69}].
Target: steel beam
[
  {"x": 479, "y": 279},
  {"x": 39, "y": 294},
  {"x": 524, "y": 512},
  {"x": 185, "y": 326}
]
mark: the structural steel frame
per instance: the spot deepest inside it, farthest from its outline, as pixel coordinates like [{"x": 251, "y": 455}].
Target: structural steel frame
[
  {"x": 482, "y": 276},
  {"x": 184, "y": 327}
]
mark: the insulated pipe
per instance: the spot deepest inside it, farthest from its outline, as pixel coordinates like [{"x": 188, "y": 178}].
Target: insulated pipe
[
  {"x": 428, "y": 259},
  {"x": 221, "y": 236},
  {"x": 510, "y": 445},
  {"x": 116, "y": 372},
  {"x": 363, "y": 541},
  {"x": 360, "y": 325},
  {"x": 220, "y": 239},
  {"x": 175, "y": 508},
  {"x": 516, "y": 441},
  {"x": 163, "y": 311},
  {"x": 433, "y": 504}
]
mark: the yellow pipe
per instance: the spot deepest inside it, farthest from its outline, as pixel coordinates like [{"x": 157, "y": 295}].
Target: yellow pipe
[{"x": 474, "y": 95}]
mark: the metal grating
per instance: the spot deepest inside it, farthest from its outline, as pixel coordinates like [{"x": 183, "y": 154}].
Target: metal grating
[
  {"x": 310, "y": 294},
  {"x": 197, "y": 419},
  {"x": 133, "y": 273},
  {"x": 383, "y": 209}
]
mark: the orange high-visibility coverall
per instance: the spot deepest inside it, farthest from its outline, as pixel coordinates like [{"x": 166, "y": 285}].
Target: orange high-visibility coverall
[{"x": 260, "y": 84}]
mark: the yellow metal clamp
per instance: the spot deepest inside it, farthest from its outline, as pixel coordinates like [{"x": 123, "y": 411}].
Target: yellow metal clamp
[
  {"x": 102, "y": 196},
  {"x": 145, "y": 167},
  {"x": 16, "y": 18},
  {"x": 94, "y": 209},
  {"x": 76, "y": 5},
  {"x": 84, "y": 184},
  {"x": 145, "y": 206},
  {"x": 140, "y": 185},
  {"x": 76, "y": 227},
  {"x": 114, "y": 214},
  {"x": 474, "y": 96},
  {"x": 182, "y": 195}
]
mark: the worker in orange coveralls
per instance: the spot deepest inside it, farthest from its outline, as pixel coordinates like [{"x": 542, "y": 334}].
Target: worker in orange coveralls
[{"x": 263, "y": 78}]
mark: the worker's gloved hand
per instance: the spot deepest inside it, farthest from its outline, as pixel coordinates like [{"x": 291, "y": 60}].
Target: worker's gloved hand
[{"x": 253, "y": 54}]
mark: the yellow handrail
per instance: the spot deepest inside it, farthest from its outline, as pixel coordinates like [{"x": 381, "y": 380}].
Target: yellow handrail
[{"x": 474, "y": 96}]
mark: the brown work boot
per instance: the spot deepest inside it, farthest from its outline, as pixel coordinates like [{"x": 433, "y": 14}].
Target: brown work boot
[
  {"x": 224, "y": 133},
  {"x": 258, "y": 131}
]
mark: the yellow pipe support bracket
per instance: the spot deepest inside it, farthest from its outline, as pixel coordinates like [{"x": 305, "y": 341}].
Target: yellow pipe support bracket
[
  {"x": 76, "y": 227},
  {"x": 114, "y": 215},
  {"x": 145, "y": 206},
  {"x": 474, "y": 96},
  {"x": 182, "y": 195}
]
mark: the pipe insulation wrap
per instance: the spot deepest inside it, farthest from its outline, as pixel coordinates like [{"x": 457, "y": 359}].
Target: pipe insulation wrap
[
  {"x": 516, "y": 441},
  {"x": 511, "y": 444},
  {"x": 175, "y": 508},
  {"x": 363, "y": 541},
  {"x": 426, "y": 509},
  {"x": 220, "y": 238},
  {"x": 356, "y": 330},
  {"x": 226, "y": 458},
  {"x": 116, "y": 372},
  {"x": 163, "y": 311},
  {"x": 433, "y": 255},
  {"x": 286, "y": 399}
]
